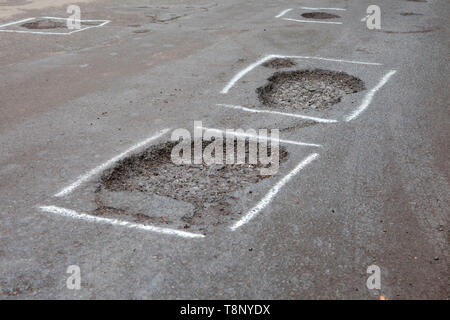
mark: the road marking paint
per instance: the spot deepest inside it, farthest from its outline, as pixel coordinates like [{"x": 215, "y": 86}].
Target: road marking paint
[
  {"x": 282, "y": 13},
  {"x": 243, "y": 72},
  {"x": 89, "y": 218},
  {"x": 81, "y": 20},
  {"x": 67, "y": 190},
  {"x": 273, "y": 192},
  {"x": 104, "y": 22},
  {"x": 312, "y": 21},
  {"x": 369, "y": 96},
  {"x": 333, "y": 60},
  {"x": 308, "y": 8},
  {"x": 16, "y": 22},
  {"x": 264, "y": 138},
  {"x": 295, "y": 115}
]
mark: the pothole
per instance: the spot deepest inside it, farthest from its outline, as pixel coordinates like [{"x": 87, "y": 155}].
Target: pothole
[
  {"x": 319, "y": 15},
  {"x": 142, "y": 31},
  {"x": 279, "y": 63},
  {"x": 407, "y": 14},
  {"x": 308, "y": 89},
  {"x": 149, "y": 188},
  {"x": 44, "y": 24}
]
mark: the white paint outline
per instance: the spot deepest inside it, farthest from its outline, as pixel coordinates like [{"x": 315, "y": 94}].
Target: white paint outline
[
  {"x": 309, "y": 8},
  {"x": 16, "y": 22},
  {"x": 282, "y": 13},
  {"x": 69, "y": 189},
  {"x": 369, "y": 96},
  {"x": 286, "y": 114},
  {"x": 262, "y": 138},
  {"x": 115, "y": 222},
  {"x": 312, "y": 21},
  {"x": 273, "y": 192},
  {"x": 104, "y": 22},
  {"x": 243, "y": 72}
]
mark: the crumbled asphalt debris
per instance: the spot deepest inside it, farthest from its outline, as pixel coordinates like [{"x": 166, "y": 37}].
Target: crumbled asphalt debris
[
  {"x": 319, "y": 15},
  {"x": 207, "y": 188},
  {"x": 308, "y": 89},
  {"x": 279, "y": 63}
]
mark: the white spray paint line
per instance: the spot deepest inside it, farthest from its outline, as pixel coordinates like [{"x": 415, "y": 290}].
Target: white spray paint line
[
  {"x": 104, "y": 22},
  {"x": 309, "y": 8},
  {"x": 67, "y": 190},
  {"x": 264, "y": 202},
  {"x": 80, "y": 20},
  {"x": 16, "y": 22},
  {"x": 89, "y": 218},
  {"x": 369, "y": 96},
  {"x": 286, "y": 114},
  {"x": 332, "y": 60},
  {"x": 312, "y": 21},
  {"x": 245, "y": 135},
  {"x": 282, "y": 13},
  {"x": 242, "y": 73}
]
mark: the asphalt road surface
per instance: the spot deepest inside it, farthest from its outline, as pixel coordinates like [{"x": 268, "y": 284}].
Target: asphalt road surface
[{"x": 376, "y": 191}]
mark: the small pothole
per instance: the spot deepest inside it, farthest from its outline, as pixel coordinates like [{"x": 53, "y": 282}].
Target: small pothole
[
  {"x": 407, "y": 14},
  {"x": 44, "y": 24},
  {"x": 279, "y": 63},
  {"x": 319, "y": 15},
  {"x": 149, "y": 188},
  {"x": 308, "y": 89}
]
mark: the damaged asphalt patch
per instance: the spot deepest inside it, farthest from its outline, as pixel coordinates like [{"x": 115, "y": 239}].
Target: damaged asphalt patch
[
  {"x": 319, "y": 15},
  {"x": 308, "y": 89},
  {"x": 44, "y": 24},
  {"x": 279, "y": 63},
  {"x": 149, "y": 188}
]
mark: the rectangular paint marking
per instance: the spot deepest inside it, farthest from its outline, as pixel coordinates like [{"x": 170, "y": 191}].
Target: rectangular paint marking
[
  {"x": 244, "y": 135},
  {"x": 104, "y": 22},
  {"x": 294, "y": 115},
  {"x": 243, "y": 72},
  {"x": 16, "y": 22},
  {"x": 89, "y": 218},
  {"x": 309, "y": 8},
  {"x": 67, "y": 190},
  {"x": 264, "y": 202},
  {"x": 312, "y": 21},
  {"x": 369, "y": 96}
]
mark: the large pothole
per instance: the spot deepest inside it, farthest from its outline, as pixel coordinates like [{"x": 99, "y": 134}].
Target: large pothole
[
  {"x": 44, "y": 24},
  {"x": 319, "y": 15},
  {"x": 308, "y": 89},
  {"x": 149, "y": 188}
]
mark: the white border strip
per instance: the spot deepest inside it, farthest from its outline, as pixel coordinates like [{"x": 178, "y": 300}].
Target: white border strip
[
  {"x": 282, "y": 13},
  {"x": 16, "y": 22},
  {"x": 294, "y": 115},
  {"x": 312, "y": 21},
  {"x": 89, "y": 218},
  {"x": 273, "y": 192},
  {"x": 242, "y": 73},
  {"x": 264, "y": 138},
  {"x": 52, "y": 33},
  {"x": 67, "y": 190},
  {"x": 369, "y": 96},
  {"x": 337, "y": 9}
]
